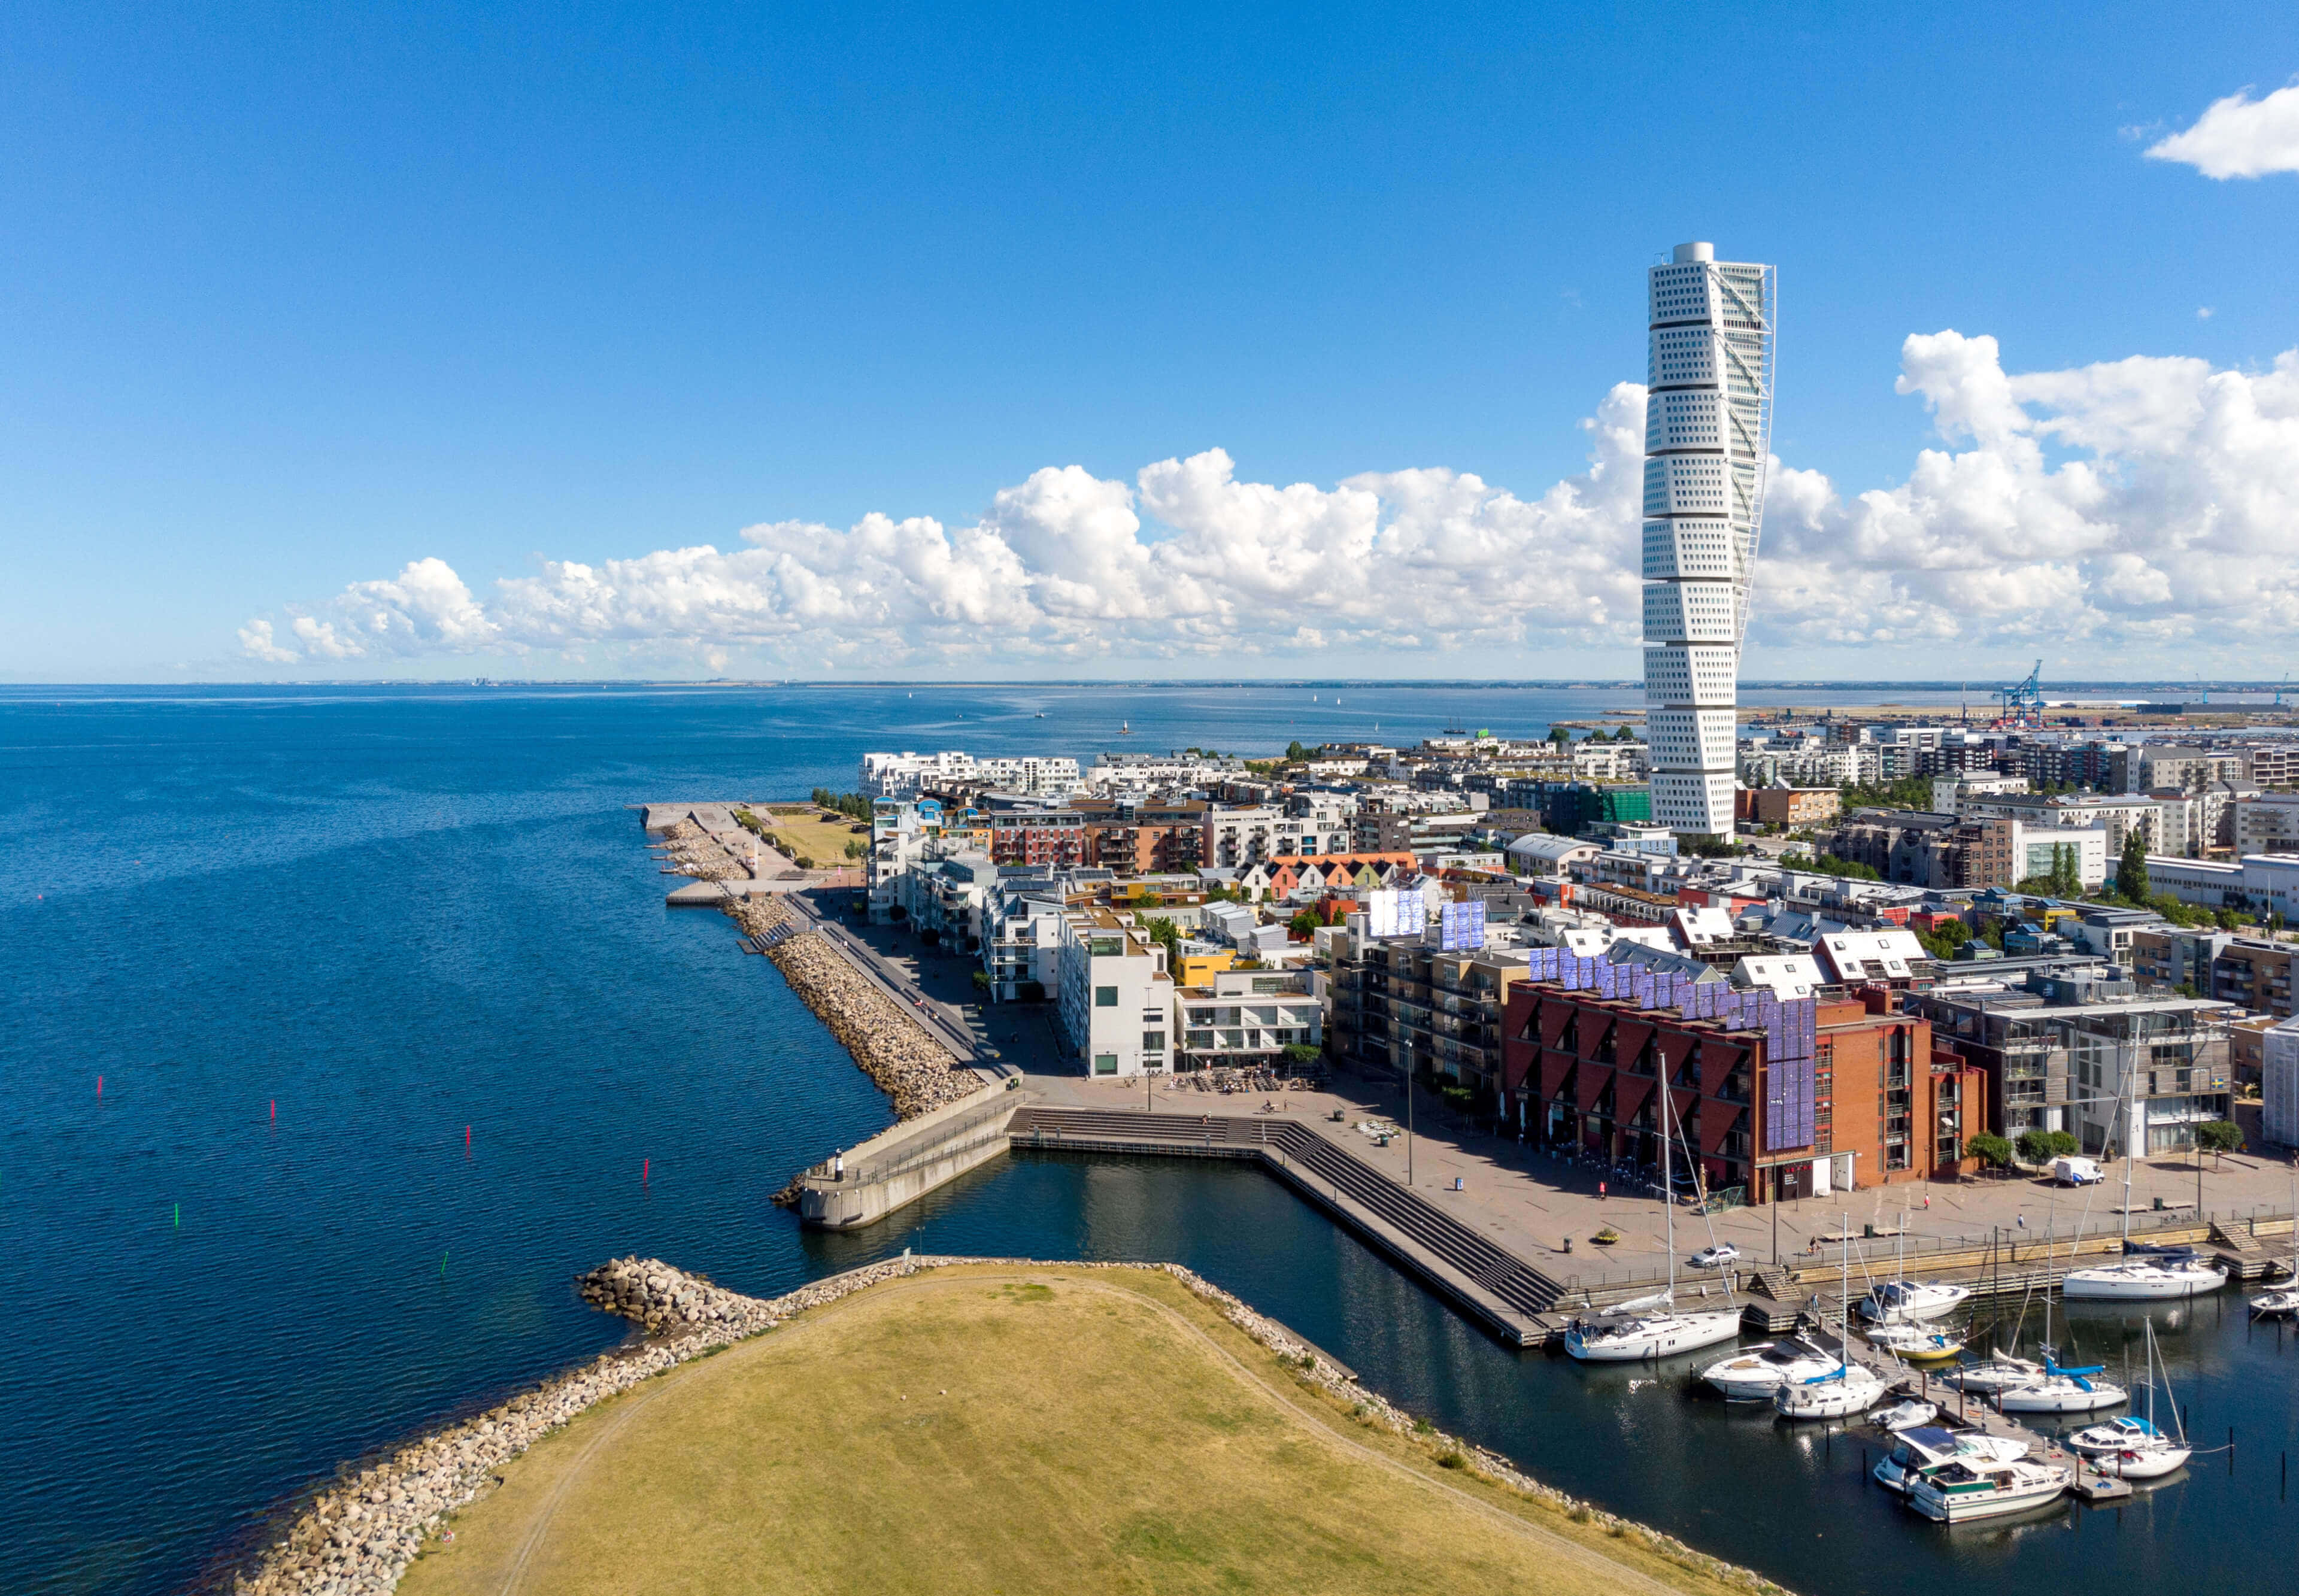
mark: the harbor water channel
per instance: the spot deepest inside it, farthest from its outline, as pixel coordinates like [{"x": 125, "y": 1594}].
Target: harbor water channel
[{"x": 395, "y": 1036}]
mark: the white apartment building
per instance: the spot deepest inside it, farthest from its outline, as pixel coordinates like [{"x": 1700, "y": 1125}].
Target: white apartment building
[
  {"x": 1246, "y": 1016},
  {"x": 1022, "y": 939},
  {"x": 1115, "y": 998},
  {"x": 2266, "y": 823},
  {"x": 1243, "y": 836},
  {"x": 1949, "y": 792},
  {"x": 906, "y": 774},
  {"x": 2116, "y": 814},
  {"x": 1708, "y": 415},
  {"x": 1117, "y": 773}
]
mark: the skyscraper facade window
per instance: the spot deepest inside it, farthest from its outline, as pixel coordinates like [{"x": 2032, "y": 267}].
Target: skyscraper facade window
[{"x": 1709, "y": 417}]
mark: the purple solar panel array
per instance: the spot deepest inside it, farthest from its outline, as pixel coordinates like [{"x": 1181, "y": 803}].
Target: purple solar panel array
[{"x": 1790, "y": 1029}]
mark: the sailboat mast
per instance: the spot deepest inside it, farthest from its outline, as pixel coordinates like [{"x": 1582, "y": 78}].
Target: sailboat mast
[{"x": 1667, "y": 1187}]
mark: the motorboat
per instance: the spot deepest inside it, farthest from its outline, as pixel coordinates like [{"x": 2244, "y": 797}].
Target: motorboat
[
  {"x": 1961, "y": 1490},
  {"x": 1927, "y": 1446},
  {"x": 1912, "y": 1301},
  {"x": 1992, "y": 1375},
  {"x": 2150, "y": 1275},
  {"x": 1655, "y": 1326},
  {"x": 1907, "y": 1415},
  {"x": 1848, "y": 1388},
  {"x": 2131, "y": 1448},
  {"x": 1915, "y": 1343},
  {"x": 1754, "y": 1373},
  {"x": 2062, "y": 1391}
]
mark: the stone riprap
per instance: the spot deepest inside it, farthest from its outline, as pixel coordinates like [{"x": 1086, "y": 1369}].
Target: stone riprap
[
  {"x": 893, "y": 1049},
  {"x": 357, "y": 1538}
]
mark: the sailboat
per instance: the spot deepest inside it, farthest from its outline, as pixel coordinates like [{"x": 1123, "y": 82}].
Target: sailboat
[
  {"x": 1754, "y": 1373},
  {"x": 2058, "y": 1389},
  {"x": 2284, "y": 1298},
  {"x": 1905, "y": 1302},
  {"x": 2146, "y": 1273},
  {"x": 1845, "y": 1390},
  {"x": 1654, "y": 1327},
  {"x": 2132, "y": 1448}
]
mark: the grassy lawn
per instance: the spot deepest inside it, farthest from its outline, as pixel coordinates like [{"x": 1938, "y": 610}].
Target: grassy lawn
[
  {"x": 818, "y": 835},
  {"x": 1008, "y": 1429}
]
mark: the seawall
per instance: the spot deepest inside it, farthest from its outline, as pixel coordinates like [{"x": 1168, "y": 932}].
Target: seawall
[{"x": 904, "y": 1162}]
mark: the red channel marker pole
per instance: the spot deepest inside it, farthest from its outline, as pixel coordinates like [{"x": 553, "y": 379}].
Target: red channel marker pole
[
  {"x": 644, "y": 1164},
  {"x": 466, "y": 1141}
]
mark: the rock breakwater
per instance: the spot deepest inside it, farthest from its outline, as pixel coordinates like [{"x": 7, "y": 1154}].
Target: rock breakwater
[
  {"x": 893, "y": 1049},
  {"x": 358, "y": 1538}
]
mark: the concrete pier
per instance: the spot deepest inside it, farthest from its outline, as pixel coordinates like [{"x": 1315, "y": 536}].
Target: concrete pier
[{"x": 904, "y": 1162}]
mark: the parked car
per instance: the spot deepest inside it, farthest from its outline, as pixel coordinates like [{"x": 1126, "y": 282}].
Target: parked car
[
  {"x": 2076, "y": 1172},
  {"x": 1716, "y": 1257}
]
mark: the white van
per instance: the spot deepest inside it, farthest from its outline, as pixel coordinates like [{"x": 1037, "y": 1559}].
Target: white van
[{"x": 2076, "y": 1172}]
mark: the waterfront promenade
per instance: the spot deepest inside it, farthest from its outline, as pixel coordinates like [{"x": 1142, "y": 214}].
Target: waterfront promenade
[{"x": 1542, "y": 1213}]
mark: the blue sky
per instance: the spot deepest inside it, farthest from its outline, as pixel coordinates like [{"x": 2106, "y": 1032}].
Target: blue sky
[{"x": 297, "y": 297}]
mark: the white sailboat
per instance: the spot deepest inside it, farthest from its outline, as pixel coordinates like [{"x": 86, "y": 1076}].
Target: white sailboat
[
  {"x": 1846, "y": 1389},
  {"x": 2145, "y": 1274},
  {"x": 1992, "y": 1375},
  {"x": 1655, "y": 1326},
  {"x": 1905, "y": 1302},
  {"x": 1754, "y": 1373},
  {"x": 2284, "y": 1298},
  {"x": 2058, "y": 1390},
  {"x": 2132, "y": 1448}
]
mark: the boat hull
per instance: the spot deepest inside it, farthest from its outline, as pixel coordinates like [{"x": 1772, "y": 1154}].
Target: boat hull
[
  {"x": 2106, "y": 1286},
  {"x": 1679, "y": 1333},
  {"x": 2030, "y": 1400},
  {"x": 1838, "y": 1399},
  {"x": 1942, "y": 1508}
]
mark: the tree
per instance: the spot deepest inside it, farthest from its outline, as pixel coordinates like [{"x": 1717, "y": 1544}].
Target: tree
[
  {"x": 2067, "y": 881},
  {"x": 2218, "y": 1137},
  {"x": 1991, "y": 1150},
  {"x": 1828, "y": 864},
  {"x": 2131, "y": 869},
  {"x": 2042, "y": 1146},
  {"x": 1294, "y": 753},
  {"x": 1559, "y": 735},
  {"x": 1162, "y": 931}
]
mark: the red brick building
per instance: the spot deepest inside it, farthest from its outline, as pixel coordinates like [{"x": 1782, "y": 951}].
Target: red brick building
[
  {"x": 1037, "y": 836},
  {"x": 1584, "y": 1070}
]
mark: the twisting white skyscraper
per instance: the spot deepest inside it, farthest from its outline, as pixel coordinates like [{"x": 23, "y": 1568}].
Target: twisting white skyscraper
[{"x": 1708, "y": 419}]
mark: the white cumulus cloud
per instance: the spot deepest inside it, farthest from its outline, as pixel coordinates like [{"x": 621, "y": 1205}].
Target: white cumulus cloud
[
  {"x": 2239, "y": 137},
  {"x": 2124, "y": 506}
]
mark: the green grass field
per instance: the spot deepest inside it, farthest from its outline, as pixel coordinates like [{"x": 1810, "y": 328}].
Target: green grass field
[
  {"x": 803, "y": 830},
  {"x": 1009, "y": 1429}
]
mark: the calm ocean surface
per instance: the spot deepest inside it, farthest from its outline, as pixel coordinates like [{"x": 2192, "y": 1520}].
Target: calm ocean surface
[{"x": 391, "y": 916}]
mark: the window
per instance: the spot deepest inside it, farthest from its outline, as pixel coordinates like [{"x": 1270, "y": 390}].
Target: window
[
  {"x": 1153, "y": 1041},
  {"x": 1105, "y": 1063},
  {"x": 1105, "y": 997}
]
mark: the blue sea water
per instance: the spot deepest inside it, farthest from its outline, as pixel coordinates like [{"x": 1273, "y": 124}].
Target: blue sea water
[{"x": 389, "y": 1020}]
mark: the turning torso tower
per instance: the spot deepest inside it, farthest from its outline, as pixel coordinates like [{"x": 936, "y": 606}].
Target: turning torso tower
[{"x": 1708, "y": 419}]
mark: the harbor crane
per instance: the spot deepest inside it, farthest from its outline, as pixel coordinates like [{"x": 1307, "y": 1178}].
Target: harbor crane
[{"x": 2022, "y": 705}]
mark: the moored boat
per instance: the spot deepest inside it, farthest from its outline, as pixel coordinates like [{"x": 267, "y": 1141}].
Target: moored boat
[
  {"x": 1961, "y": 1490},
  {"x": 1850, "y": 1388},
  {"x": 1912, "y": 1301},
  {"x": 1754, "y": 1373},
  {"x": 1925, "y": 1446},
  {"x": 1915, "y": 1343}
]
